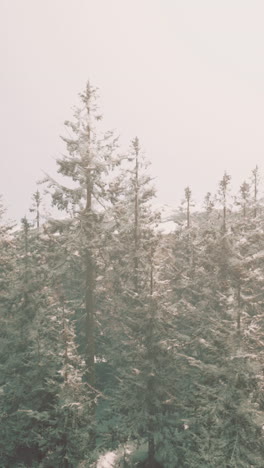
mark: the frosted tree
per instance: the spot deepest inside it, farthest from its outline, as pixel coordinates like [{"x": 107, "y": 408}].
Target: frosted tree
[
  {"x": 255, "y": 183},
  {"x": 220, "y": 388},
  {"x": 41, "y": 373},
  {"x": 87, "y": 164},
  {"x": 140, "y": 393},
  {"x": 36, "y": 199}
]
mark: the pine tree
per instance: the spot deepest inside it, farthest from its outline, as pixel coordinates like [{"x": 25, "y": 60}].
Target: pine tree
[
  {"x": 86, "y": 229},
  {"x": 256, "y": 181},
  {"x": 219, "y": 373},
  {"x": 140, "y": 394},
  {"x": 36, "y": 198},
  {"x": 88, "y": 163},
  {"x": 35, "y": 416}
]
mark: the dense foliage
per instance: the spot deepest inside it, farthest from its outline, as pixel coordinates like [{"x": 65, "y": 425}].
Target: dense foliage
[{"x": 116, "y": 334}]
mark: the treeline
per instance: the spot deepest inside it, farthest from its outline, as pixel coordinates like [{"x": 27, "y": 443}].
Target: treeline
[{"x": 114, "y": 333}]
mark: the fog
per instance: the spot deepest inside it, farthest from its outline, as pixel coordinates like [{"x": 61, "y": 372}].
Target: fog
[{"x": 186, "y": 77}]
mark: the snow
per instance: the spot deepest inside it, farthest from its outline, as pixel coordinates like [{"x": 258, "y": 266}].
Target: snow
[
  {"x": 166, "y": 227},
  {"x": 107, "y": 460},
  {"x": 113, "y": 459}
]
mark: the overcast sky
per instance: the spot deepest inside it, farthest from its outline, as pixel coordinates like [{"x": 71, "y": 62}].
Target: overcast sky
[{"x": 185, "y": 76}]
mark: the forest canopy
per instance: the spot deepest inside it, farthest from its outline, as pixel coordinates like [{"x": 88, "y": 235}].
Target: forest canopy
[{"x": 119, "y": 337}]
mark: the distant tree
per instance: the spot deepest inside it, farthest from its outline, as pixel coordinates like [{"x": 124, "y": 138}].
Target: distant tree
[
  {"x": 223, "y": 196},
  {"x": 36, "y": 198},
  {"x": 220, "y": 385},
  {"x": 255, "y": 181},
  {"x": 244, "y": 193},
  {"x": 188, "y": 195}
]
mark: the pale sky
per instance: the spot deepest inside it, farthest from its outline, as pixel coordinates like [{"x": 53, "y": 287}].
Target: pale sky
[{"x": 185, "y": 76}]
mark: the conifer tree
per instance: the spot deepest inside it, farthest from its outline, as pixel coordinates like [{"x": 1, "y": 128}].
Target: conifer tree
[
  {"x": 36, "y": 198},
  {"x": 244, "y": 198},
  {"x": 211, "y": 328},
  {"x": 255, "y": 180},
  {"x": 144, "y": 372},
  {"x": 34, "y": 409},
  {"x": 88, "y": 164}
]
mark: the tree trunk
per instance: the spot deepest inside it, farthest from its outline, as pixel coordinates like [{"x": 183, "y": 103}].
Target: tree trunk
[
  {"x": 89, "y": 280},
  {"x": 151, "y": 450},
  {"x": 239, "y": 311},
  {"x": 89, "y": 309},
  {"x": 255, "y": 178},
  {"x": 89, "y": 304},
  {"x": 136, "y": 215}
]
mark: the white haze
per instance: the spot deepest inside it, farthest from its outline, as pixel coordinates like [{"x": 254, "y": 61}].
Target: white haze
[{"x": 185, "y": 76}]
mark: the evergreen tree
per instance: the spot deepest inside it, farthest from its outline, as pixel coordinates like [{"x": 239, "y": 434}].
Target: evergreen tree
[
  {"x": 140, "y": 397},
  {"x": 43, "y": 404},
  {"x": 36, "y": 198},
  {"x": 88, "y": 163}
]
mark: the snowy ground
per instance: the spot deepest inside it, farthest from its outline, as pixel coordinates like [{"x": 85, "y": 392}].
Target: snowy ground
[
  {"x": 115, "y": 459},
  {"x": 107, "y": 461}
]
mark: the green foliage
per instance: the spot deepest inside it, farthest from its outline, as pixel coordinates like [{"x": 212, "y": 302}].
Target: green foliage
[{"x": 114, "y": 335}]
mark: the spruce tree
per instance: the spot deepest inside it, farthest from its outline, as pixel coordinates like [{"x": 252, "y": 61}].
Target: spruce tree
[
  {"x": 220, "y": 375},
  {"x": 140, "y": 395},
  {"x": 87, "y": 164},
  {"x": 43, "y": 413}
]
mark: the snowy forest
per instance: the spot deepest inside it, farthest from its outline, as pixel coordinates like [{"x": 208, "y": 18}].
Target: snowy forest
[{"x": 124, "y": 344}]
